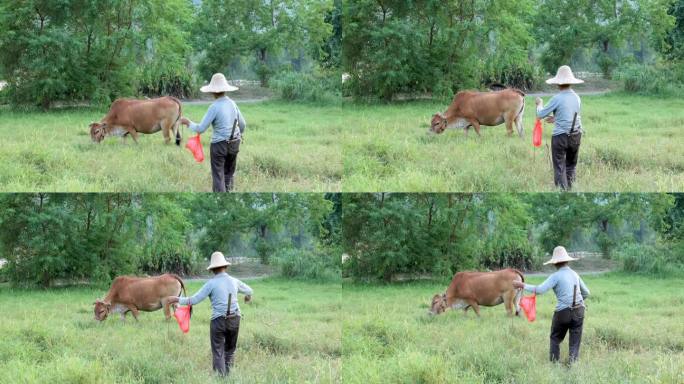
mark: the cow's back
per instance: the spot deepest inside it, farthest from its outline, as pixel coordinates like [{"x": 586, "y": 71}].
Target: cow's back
[
  {"x": 143, "y": 115},
  {"x": 485, "y": 106},
  {"x": 143, "y": 292},
  {"x": 485, "y": 286}
]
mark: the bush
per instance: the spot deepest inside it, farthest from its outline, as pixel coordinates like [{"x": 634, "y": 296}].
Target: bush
[
  {"x": 306, "y": 86},
  {"x": 309, "y": 264},
  {"x": 649, "y": 259},
  {"x": 662, "y": 79},
  {"x": 524, "y": 76}
]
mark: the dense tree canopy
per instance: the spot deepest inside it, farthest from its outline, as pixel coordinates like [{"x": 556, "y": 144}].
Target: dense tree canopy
[
  {"x": 439, "y": 234},
  {"x": 45, "y": 237}
]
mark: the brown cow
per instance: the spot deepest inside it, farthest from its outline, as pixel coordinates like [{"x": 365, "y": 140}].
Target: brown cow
[
  {"x": 130, "y": 117},
  {"x": 472, "y": 109},
  {"x": 472, "y": 289},
  {"x": 133, "y": 294}
]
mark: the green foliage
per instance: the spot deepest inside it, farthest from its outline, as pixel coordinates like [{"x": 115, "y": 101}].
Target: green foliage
[
  {"x": 440, "y": 234},
  {"x": 97, "y": 237},
  {"x": 263, "y": 35},
  {"x": 412, "y": 47},
  {"x": 83, "y": 50},
  {"x": 309, "y": 264},
  {"x": 386, "y": 234},
  {"x": 662, "y": 80},
  {"x": 651, "y": 259},
  {"x": 307, "y": 87}
]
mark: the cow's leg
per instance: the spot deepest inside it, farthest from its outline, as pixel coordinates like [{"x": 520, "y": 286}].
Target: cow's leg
[
  {"x": 519, "y": 124},
  {"x": 476, "y": 125},
  {"x": 134, "y": 135},
  {"x": 509, "y": 118},
  {"x": 508, "y": 298},
  {"x": 516, "y": 301},
  {"x": 475, "y": 306},
  {"x": 167, "y": 308},
  {"x": 166, "y": 127},
  {"x": 134, "y": 311}
]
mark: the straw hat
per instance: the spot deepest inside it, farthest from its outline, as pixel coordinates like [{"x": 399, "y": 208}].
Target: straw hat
[
  {"x": 559, "y": 255},
  {"x": 218, "y": 261},
  {"x": 564, "y": 76},
  {"x": 218, "y": 84}
]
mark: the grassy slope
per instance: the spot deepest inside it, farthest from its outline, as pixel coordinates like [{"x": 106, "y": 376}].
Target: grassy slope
[
  {"x": 291, "y": 333},
  {"x": 632, "y": 334},
  {"x": 631, "y": 144},
  {"x": 287, "y": 148}
]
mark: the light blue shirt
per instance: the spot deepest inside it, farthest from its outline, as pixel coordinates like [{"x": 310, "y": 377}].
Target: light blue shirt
[
  {"x": 218, "y": 289},
  {"x": 564, "y": 106},
  {"x": 221, "y": 115},
  {"x": 563, "y": 282}
]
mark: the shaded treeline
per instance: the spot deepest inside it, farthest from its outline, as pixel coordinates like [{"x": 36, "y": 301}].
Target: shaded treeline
[
  {"x": 416, "y": 46},
  {"x": 439, "y": 234},
  {"x": 78, "y": 50},
  {"x": 95, "y": 237}
]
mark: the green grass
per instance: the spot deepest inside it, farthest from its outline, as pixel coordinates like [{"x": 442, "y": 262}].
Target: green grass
[
  {"x": 290, "y": 333},
  {"x": 633, "y": 333},
  {"x": 288, "y": 147},
  {"x": 631, "y": 144}
]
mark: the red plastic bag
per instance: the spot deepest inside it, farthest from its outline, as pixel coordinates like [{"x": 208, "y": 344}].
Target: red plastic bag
[
  {"x": 194, "y": 144},
  {"x": 183, "y": 315},
  {"x": 537, "y": 133},
  {"x": 529, "y": 306}
]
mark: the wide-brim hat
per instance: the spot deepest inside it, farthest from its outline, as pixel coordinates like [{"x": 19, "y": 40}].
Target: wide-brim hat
[
  {"x": 218, "y": 261},
  {"x": 560, "y": 255},
  {"x": 218, "y": 84},
  {"x": 564, "y": 76}
]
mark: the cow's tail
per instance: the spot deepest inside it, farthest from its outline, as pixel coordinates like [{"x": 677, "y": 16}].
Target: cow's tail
[
  {"x": 175, "y": 124},
  {"x": 519, "y": 117},
  {"x": 522, "y": 277},
  {"x": 185, "y": 293}
]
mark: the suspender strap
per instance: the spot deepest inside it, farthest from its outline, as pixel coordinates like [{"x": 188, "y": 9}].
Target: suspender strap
[
  {"x": 232, "y": 133},
  {"x": 574, "y": 119},
  {"x": 574, "y": 296},
  {"x": 230, "y": 300}
]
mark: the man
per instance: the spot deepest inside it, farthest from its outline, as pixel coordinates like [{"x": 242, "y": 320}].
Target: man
[
  {"x": 229, "y": 125},
  {"x": 567, "y": 130},
  {"x": 570, "y": 292},
  {"x": 225, "y": 317}
]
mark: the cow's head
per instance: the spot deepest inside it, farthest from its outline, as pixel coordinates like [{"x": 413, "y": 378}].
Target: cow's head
[
  {"x": 101, "y": 309},
  {"x": 438, "y": 123},
  {"x": 439, "y": 304},
  {"x": 97, "y": 131}
]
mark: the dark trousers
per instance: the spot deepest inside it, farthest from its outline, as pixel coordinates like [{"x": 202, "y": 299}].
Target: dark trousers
[
  {"x": 564, "y": 151},
  {"x": 222, "y": 167},
  {"x": 564, "y": 321},
  {"x": 223, "y": 333}
]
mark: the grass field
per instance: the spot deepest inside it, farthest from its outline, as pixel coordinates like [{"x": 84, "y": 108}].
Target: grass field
[
  {"x": 287, "y": 148},
  {"x": 631, "y": 144},
  {"x": 290, "y": 333},
  {"x": 633, "y": 333}
]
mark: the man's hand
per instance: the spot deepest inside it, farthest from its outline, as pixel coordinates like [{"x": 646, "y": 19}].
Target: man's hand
[
  {"x": 184, "y": 121},
  {"x": 248, "y": 298},
  {"x": 550, "y": 119},
  {"x": 172, "y": 299},
  {"x": 517, "y": 284},
  {"x": 538, "y": 101}
]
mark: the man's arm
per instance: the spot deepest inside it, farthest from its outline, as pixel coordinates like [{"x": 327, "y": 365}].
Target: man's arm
[
  {"x": 584, "y": 289},
  {"x": 549, "y": 283},
  {"x": 244, "y": 288},
  {"x": 542, "y": 111},
  {"x": 241, "y": 120},
  {"x": 206, "y": 120},
  {"x": 197, "y": 297}
]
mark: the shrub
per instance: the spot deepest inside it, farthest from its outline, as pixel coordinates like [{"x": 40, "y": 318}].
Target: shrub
[
  {"x": 662, "y": 79},
  {"x": 306, "y": 86},
  {"x": 317, "y": 264},
  {"x": 524, "y": 76},
  {"x": 649, "y": 259}
]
